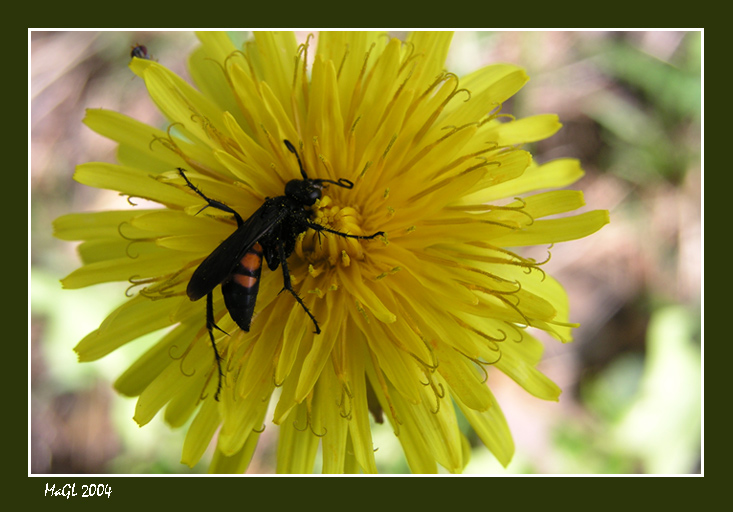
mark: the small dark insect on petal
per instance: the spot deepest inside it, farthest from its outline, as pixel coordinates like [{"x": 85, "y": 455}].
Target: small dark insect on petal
[{"x": 141, "y": 52}]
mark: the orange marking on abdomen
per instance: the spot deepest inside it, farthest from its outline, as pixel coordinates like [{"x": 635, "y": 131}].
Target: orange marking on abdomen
[
  {"x": 251, "y": 261},
  {"x": 245, "y": 281}
]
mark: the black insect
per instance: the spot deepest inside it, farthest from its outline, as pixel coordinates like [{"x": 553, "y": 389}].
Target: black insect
[
  {"x": 141, "y": 52},
  {"x": 270, "y": 232}
]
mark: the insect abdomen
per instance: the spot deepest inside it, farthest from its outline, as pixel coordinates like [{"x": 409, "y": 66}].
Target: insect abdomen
[{"x": 241, "y": 287}]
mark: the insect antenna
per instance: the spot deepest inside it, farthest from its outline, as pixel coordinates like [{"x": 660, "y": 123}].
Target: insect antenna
[
  {"x": 292, "y": 149},
  {"x": 342, "y": 182}
]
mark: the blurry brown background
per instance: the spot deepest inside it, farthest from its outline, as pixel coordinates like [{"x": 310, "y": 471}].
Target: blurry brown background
[{"x": 630, "y": 103}]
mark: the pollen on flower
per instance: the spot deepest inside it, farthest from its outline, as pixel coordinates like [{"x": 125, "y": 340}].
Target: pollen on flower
[
  {"x": 319, "y": 248},
  {"x": 388, "y": 273},
  {"x": 313, "y": 271},
  {"x": 317, "y": 292},
  {"x": 362, "y": 311}
]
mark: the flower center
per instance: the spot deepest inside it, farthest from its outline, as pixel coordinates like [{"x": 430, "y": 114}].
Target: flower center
[{"x": 323, "y": 247}]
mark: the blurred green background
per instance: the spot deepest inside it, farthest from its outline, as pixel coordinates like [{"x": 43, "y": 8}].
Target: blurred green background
[{"x": 630, "y": 103}]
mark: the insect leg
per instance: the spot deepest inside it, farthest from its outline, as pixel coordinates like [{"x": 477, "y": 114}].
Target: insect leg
[
  {"x": 211, "y": 202},
  {"x": 287, "y": 285},
  {"x": 318, "y": 228},
  {"x": 210, "y": 325}
]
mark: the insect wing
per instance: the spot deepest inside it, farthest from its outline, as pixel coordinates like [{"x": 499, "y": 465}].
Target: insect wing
[{"x": 221, "y": 263}]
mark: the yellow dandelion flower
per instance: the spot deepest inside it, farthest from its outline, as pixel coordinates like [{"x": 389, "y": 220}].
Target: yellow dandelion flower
[{"x": 415, "y": 307}]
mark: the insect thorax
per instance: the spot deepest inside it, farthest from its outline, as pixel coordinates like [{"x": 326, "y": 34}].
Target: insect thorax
[{"x": 286, "y": 231}]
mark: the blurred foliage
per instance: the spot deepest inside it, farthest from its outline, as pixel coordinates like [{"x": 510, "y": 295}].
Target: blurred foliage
[
  {"x": 630, "y": 103},
  {"x": 647, "y": 117}
]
